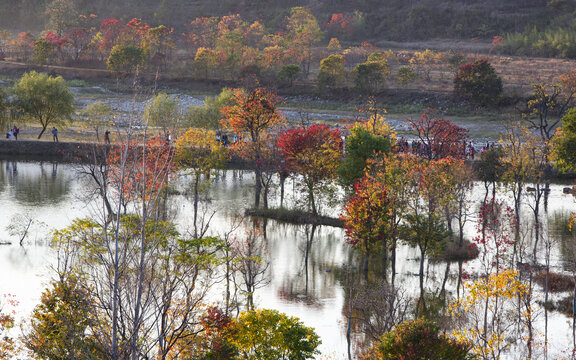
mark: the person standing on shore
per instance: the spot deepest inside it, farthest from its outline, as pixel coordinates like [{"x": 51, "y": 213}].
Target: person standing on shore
[
  {"x": 54, "y": 134},
  {"x": 107, "y": 137},
  {"x": 15, "y": 132}
]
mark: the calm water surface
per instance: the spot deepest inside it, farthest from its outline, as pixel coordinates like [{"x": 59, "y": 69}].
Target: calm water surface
[{"x": 54, "y": 195}]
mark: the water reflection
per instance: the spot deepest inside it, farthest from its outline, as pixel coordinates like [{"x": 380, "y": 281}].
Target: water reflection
[
  {"x": 34, "y": 183},
  {"x": 312, "y": 273}
]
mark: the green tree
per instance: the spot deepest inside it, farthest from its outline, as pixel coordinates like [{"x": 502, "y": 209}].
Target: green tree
[
  {"x": 126, "y": 58},
  {"x": 209, "y": 115},
  {"x": 268, "y": 334},
  {"x": 490, "y": 169},
  {"x": 370, "y": 75},
  {"x": 478, "y": 83},
  {"x": 425, "y": 232},
  {"x": 332, "y": 72},
  {"x": 42, "y": 51},
  {"x": 198, "y": 152},
  {"x": 361, "y": 146},
  {"x": 62, "y": 14},
  {"x": 43, "y": 98},
  {"x": 289, "y": 73},
  {"x": 60, "y": 325},
  {"x": 406, "y": 75},
  {"x": 564, "y": 143},
  {"x": 205, "y": 61},
  {"x": 421, "y": 339},
  {"x": 4, "y": 111},
  {"x": 163, "y": 112}
]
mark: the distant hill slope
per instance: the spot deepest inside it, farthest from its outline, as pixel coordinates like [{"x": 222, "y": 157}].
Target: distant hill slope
[{"x": 382, "y": 19}]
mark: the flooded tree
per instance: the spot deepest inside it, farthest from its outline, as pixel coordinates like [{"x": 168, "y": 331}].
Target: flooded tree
[
  {"x": 314, "y": 153},
  {"x": 252, "y": 114}
]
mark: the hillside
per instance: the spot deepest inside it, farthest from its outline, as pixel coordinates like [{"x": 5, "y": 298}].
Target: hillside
[{"x": 398, "y": 20}]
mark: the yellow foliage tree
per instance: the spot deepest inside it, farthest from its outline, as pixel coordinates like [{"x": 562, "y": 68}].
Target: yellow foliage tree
[
  {"x": 487, "y": 314},
  {"x": 198, "y": 151},
  {"x": 423, "y": 61}
]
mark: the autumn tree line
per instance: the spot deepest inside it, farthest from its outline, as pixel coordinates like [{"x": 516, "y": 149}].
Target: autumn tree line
[
  {"x": 128, "y": 285},
  {"x": 302, "y": 50}
]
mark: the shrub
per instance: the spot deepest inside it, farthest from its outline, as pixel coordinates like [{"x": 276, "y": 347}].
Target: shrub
[
  {"x": 421, "y": 339},
  {"x": 478, "y": 83},
  {"x": 406, "y": 75},
  {"x": 453, "y": 252}
]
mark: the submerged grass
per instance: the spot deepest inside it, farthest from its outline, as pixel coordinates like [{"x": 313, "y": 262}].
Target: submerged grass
[
  {"x": 452, "y": 252},
  {"x": 294, "y": 216}
]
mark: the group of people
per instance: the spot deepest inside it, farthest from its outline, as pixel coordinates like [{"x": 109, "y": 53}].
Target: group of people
[
  {"x": 223, "y": 139},
  {"x": 13, "y": 132},
  {"x": 419, "y": 148}
]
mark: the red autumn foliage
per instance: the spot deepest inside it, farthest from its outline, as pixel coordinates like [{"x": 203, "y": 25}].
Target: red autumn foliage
[
  {"x": 439, "y": 137},
  {"x": 141, "y": 170},
  {"x": 495, "y": 224},
  {"x": 110, "y": 30},
  {"x": 202, "y": 32},
  {"x": 55, "y": 40},
  {"x": 295, "y": 142},
  {"x": 314, "y": 152}
]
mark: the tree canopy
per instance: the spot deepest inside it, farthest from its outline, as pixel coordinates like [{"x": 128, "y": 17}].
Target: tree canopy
[
  {"x": 478, "y": 82},
  {"x": 361, "y": 145},
  {"x": 564, "y": 143},
  {"x": 43, "y": 98},
  {"x": 421, "y": 340},
  {"x": 269, "y": 334}
]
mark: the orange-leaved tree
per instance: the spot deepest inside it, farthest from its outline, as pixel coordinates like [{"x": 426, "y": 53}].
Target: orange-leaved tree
[
  {"x": 374, "y": 212},
  {"x": 315, "y": 153},
  {"x": 140, "y": 171},
  {"x": 366, "y": 216},
  {"x": 431, "y": 192},
  {"x": 252, "y": 114}
]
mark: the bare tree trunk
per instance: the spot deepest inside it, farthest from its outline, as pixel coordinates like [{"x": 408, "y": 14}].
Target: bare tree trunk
[
  {"x": 141, "y": 263},
  {"x": 282, "y": 183},
  {"x": 116, "y": 264},
  {"x": 257, "y": 187},
  {"x": 196, "y": 198}
]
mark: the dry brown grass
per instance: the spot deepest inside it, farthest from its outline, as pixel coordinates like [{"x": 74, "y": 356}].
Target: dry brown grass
[{"x": 517, "y": 73}]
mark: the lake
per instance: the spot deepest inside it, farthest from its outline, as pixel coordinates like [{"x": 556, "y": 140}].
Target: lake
[{"x": 316, "y": 291}]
